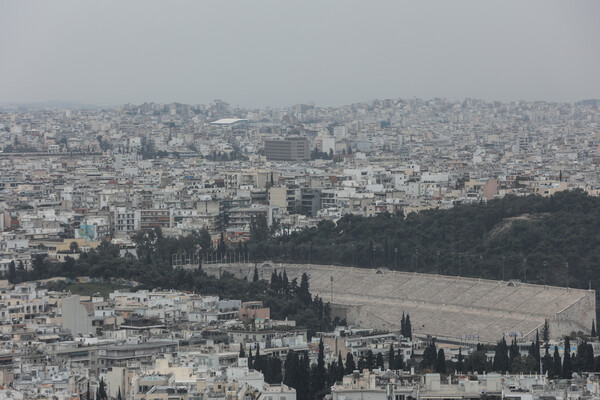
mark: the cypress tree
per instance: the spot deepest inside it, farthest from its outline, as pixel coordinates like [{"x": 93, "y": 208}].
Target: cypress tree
[
  {"x": 339, "y": 375},
  {"x": 546, "y": 332},
  {"x": 408, "y": 327},
  {"x": 362, "y": 364},
  {"x": 403, "y": 325},
  {"x": 556, "y": 363},
  {"x": 350, "y": 365},
  {"x": 258, "y": 361},
  {"x": 399, "y": 360},
  {"x": 250, "y": 359},
  {"x": 588, "y": 360},
  {"x": 547, "y": 361},
  {"x": 429, "y": 356},
  {"x": 370, "y": 360},
  {"x": 440, "y": 366},
  {"x": 12, "y": 272},
  {"x": 242, "y": 351},
  {"x": 567, "y": 368},
  {"x": 580, "y": 357},
  {"x": 102, "y": 390},
  {"x": 391, "y": 359},
  {"x": 291, "y": 370},
  {"x": 274, "y": 280},
  {"x": 513, "y": 352},
  {"x": 255, "y": 276},
  {"x": 538, "y": 355},
  {"x": 285, "y": 282},
  {"x": 331, "y": 373},
  {"x": 501, "y": 360},
  {"x": 119, "y": 394},
  {"x": 320, "y": 372},
  {"x": 379, "y": 361},
  {"x": 303, "y": 387},
  {"x": 303, "y": 291}
]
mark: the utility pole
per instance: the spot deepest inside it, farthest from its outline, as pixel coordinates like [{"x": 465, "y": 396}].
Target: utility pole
[
  {"x": 416, "y": 260},
  {"x": 331, "y": 289},
  {"x": 567, "y": 271},
  {"x": 331, "y": 253},
  {"x": 545, "y": 266}
]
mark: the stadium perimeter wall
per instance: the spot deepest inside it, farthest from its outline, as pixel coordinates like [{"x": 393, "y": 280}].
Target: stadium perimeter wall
[{"x": 467, "y": 311}]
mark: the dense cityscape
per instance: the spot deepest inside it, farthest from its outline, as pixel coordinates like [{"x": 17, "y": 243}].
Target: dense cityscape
[{"x": 173, "y": 251}]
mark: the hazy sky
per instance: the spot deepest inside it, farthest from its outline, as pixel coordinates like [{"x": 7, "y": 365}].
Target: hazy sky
[{"x": 278, "y": 53}]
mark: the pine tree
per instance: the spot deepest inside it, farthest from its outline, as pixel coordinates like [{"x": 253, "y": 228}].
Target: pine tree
[
  {"x": 440, "y": 366},
  {"x": 567, "y": 368},
  {"x": 350, "y": 365},
  {"x": 391, "y": 357}
]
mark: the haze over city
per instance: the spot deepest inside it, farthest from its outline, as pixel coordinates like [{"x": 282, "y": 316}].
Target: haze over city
[
  {"x": 270, "y": 53},
  {"x": 277, "y": 200}
]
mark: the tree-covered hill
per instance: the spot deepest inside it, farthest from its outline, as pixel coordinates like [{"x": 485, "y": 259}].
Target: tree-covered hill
[{"x": 529, "y": 238}]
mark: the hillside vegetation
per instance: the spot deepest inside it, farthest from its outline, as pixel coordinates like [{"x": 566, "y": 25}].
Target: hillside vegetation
[{"x": 529, "y": 238}]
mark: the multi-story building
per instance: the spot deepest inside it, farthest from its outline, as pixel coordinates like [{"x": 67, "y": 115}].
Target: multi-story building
[{"x": 292, "y": 148}]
